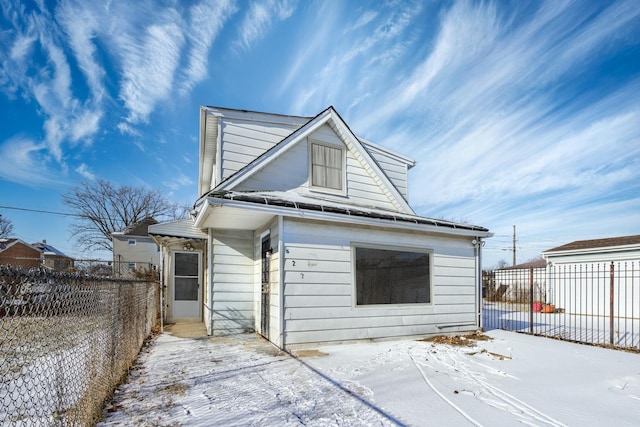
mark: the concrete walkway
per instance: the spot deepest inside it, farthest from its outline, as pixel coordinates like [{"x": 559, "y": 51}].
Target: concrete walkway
[{"x": 186, "y": 378}]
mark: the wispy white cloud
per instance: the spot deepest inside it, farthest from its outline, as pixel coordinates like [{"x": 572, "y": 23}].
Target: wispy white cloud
[
  {"x": 149, "y": 65},
  {"x": 206, "y": 20},
  {"x": 66, "y": 117},
  {"x": 81, "y": 27},
  {"x": 129, "y": 130},
  {"x": 337, "y": 58},
  {"x": 85, "y": 172},
  {"x": 260, "y": 17},
  {"x": 179, "y": 181},
  {"x": 25, "y": 162}
]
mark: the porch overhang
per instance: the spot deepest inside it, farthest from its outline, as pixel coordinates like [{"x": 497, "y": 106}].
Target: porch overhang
[
  {"x": 176, "y": 231},
  {"x": 232, "y": 216}
]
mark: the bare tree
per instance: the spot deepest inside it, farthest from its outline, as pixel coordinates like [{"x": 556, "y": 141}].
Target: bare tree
[
  {"x": 6, "y": 226},
  {"x": 502, "y": 264},
  {"x": 103, "y": 208}
]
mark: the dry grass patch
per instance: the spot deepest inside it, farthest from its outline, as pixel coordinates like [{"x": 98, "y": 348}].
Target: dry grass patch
[{"x": 468, "y": 340}]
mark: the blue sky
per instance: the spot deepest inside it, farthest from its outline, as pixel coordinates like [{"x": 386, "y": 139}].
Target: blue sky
[{"x": 517, "y": 112}]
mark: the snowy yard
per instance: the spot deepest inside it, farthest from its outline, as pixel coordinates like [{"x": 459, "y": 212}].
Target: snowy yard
[
  {"x": 506, "y": 380},
  {"x": 582, "y": 328}
]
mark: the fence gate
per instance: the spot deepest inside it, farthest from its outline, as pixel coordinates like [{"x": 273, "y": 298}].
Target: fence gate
[{"x": 595, "y": 303}]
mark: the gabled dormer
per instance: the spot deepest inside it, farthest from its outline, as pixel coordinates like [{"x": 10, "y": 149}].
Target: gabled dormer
[{"x": 315, "y": 157}]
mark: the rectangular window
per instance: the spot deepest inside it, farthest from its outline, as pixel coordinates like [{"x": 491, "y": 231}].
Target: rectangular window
[
  {"x": 131, "y": 266},
  {"x": 327, "y": 167},
  {"x": 388, "y": 276},
  {"x": 132, "y": 241}
]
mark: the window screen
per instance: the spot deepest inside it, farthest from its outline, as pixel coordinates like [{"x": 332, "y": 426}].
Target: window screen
[{"x": 392, "y": 277}]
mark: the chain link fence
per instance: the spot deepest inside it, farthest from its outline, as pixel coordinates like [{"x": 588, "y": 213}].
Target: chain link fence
[{"x": 66, "y": 342}]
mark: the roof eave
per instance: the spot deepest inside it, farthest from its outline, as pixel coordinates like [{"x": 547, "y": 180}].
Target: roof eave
[{"x": 214, "y": 202}]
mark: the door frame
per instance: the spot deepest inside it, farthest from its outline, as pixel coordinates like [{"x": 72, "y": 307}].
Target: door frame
[
  {"x": 265, "y": 283},
  {"x": 172, "y": 284}
]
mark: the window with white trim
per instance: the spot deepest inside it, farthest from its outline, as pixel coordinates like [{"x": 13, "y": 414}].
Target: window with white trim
[
  {"x": 327, "y": 167},
  {"x": 392, "y": 276}
]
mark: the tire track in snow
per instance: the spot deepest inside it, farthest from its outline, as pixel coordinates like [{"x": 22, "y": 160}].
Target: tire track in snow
[{"x": 454, "y": 361}]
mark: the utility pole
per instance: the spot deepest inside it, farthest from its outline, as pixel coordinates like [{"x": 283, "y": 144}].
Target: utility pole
[{"x": 514, "y": 245}]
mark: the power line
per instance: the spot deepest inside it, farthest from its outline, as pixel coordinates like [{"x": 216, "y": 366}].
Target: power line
[{"x": 43, "y": 211}]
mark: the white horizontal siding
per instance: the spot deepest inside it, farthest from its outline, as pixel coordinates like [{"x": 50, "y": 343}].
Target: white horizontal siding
[
  {"x": 245, "y": 140},
  {"x": 232, "y": 281},
  {"x": 318, "y": 285},
  {"x": 287, "y": 172},
  {"x": 290, "y": 172},
  {"x": 395, "y": 170}
]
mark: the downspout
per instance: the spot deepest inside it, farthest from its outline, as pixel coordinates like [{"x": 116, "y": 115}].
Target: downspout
[
  {"x": 162, "y": 282},
  {"x": 209, "y": 284},
  {"x": 478, "y": 249},
  {"x": 281, "y": 278}
]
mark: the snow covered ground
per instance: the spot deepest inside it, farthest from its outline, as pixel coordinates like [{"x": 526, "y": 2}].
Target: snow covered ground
[{"x": 507, "y": 380}]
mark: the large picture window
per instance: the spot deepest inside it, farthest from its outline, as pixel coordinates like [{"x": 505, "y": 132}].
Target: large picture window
[
  {"x": 326, "y": 167},
  {"x": 388, "y": 276}
]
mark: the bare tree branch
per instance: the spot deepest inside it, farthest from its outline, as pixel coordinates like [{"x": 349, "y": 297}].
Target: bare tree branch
[
  {"x": 104, "y": 208},
  {"x": 6, "y": 227}
]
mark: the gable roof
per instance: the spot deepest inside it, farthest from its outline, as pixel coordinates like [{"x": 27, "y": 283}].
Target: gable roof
[
  {"x": 182, "y": 228},
  {"x": 597, "y": 243},
  {"x": 49, "y": 250},
  {"x": 329, "y": 116},
  {"x": 210, "y": 132},
  {"x": 140, "y": 228},
  {"x": 536, "y": 263},
  {"x": 7, "y": 243}
]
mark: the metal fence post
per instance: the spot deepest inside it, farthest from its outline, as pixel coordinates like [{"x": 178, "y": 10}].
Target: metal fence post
[
  {"x": 531, "y": 300},
  {"x": 611, "y": 304}
]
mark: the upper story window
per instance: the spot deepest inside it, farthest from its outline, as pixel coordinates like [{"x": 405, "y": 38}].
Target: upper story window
[
  {"x": 327, "y": 167},
  {"x": 132, "y": 241}
]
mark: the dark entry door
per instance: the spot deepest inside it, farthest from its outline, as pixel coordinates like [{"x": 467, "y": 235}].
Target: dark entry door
[{"x": 266, "y": 278}]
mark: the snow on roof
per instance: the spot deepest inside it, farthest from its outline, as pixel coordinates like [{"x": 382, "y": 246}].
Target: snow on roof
[
  {"x": 297, "y": 201},
  {"x": 48, "y": 249}
]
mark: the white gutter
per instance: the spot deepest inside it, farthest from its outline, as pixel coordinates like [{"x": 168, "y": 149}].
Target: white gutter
[{"x": 335, "y": 217}]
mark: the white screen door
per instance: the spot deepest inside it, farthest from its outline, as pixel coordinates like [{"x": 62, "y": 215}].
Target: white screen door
[{"x": 187, "y": 290}]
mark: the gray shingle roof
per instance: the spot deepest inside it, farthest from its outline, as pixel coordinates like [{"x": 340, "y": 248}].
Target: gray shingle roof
[{"x": 598, "y": 243}]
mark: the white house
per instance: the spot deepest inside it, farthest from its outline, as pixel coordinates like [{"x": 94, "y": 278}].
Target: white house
[
  {"x": 134, "y": 251},
  {"x": 303, "y": 232},
  {"x": 513, "y": 283},
  {"x": 584, "y": 274}
]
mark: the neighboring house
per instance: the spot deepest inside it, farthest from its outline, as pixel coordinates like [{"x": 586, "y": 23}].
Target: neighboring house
[
  {"x": 134, "y": 251},
  {"x": 581, "y": 275},
  {"x": 303, "y": 232},
  {"x": 53, "y": 258},
  {"x": 514, "y": 283},
  {"x": 19, "y": 254}
]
